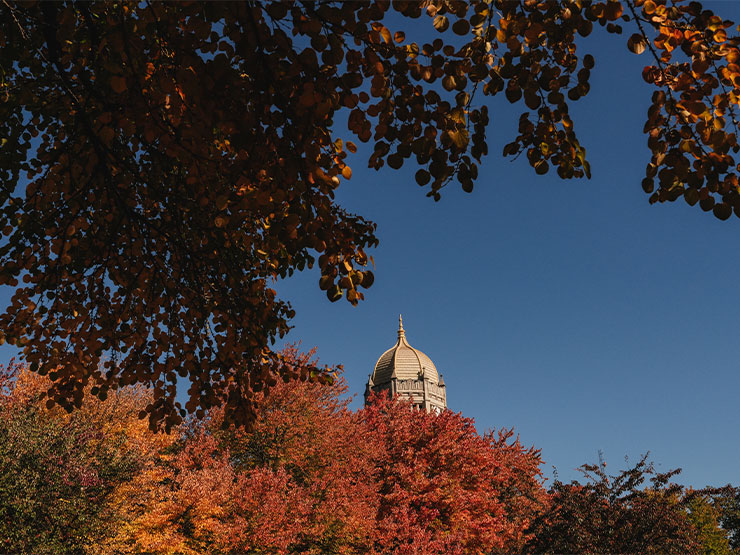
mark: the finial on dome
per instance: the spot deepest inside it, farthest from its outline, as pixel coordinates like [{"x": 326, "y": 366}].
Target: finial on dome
[{"x": 401, "y": 333}]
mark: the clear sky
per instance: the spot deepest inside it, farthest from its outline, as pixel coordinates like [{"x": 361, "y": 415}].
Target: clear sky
[{"x": 573, "y": 311}]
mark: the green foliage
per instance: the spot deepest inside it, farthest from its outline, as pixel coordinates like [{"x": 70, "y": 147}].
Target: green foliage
[
  {"x": 704, "y": 516},
  {"x": 728, "y": 502},
  {"x": 43, "y": 508},
  {"x": 718, "y": 506}
]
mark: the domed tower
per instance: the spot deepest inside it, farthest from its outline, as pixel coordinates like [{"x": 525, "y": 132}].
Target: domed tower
[{"x": 409, "y": 373}]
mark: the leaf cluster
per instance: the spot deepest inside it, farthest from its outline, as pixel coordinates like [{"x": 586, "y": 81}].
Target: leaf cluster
[
  {"x": 161, "y": 165},
  {"x": 635, "y": 511},
  {"x": 58, "y": 472}
]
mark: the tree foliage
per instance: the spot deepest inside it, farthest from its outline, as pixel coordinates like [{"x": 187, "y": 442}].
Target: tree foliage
[
  {"x": 715, "y": 512},
  {"x": 312, "y": 476},
  {"x": 706, "y": 519},
  {"x": 616, "y": 514},
  {"x": 162, "y": 163},
  {"x": 446, "y": 489},
  {"x": 727, "y": 501},
  {"x": 58, "y": 472}
]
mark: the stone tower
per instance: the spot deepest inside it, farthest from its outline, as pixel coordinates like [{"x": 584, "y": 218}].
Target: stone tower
[{"x": 409, "y": 373}]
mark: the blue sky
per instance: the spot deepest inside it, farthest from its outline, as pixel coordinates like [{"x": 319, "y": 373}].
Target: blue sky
[{"x": 573, "y": 311}]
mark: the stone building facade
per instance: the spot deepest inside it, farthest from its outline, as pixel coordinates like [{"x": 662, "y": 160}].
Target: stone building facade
[{"x": 409, "y": 373}]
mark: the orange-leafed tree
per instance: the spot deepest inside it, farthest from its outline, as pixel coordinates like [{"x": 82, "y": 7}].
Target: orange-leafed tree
[
  {"x": 162, "y": 163},
  {"x": 299, "y": 481},
  {"x": 59, "y": 472}
]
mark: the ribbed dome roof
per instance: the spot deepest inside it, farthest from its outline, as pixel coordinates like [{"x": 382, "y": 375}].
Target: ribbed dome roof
[{"x": 403, "y": 362}]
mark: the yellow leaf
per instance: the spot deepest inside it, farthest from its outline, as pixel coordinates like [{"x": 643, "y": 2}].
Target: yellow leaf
[{"x": 460, "y": 138}]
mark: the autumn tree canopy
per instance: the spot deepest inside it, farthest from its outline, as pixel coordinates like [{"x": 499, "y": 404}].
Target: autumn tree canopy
[
  {"x": 59, "y": 472},
  {"x": 636, "y": 511},
  {"x": 162, "y": 163},
  {"x": 310, "y": 477}
]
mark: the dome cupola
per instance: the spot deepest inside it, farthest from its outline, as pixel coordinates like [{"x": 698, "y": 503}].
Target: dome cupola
[
  {"x": 403, "y": 362},
  {"x": 410, "y": 373}
]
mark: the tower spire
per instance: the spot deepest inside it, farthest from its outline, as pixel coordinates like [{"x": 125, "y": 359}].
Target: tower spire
[{"x": 401, "y": 332}]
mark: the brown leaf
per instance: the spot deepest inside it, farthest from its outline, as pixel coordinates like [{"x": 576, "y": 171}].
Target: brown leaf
[
  {"x": 636, "y": 43},
  {"x": 422, "y": 177},
  {"x": 441, "y": 23},
  {"x": 722, "y": 210},
  {"x": 118, "y": 84},
  {"x": 461, "y": 27}
]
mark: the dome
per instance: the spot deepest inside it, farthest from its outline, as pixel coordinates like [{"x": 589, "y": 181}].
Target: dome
[{"x": 403, "y": 362}]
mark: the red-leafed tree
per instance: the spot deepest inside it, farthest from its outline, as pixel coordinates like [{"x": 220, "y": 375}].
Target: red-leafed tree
[
  {"x": 311, "y": 476},
  {"x": 446, "y": 489},
  {"x": 307, "y": 431}
]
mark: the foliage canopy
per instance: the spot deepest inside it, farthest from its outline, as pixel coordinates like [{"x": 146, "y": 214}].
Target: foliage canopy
[
  {"x": 310, "y": 477},
  {"x": 162, "y": 163},
  {"x": 616, "y": 514}
]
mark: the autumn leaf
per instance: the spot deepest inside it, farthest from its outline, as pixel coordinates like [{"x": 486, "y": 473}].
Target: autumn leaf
[
  {"x": 118, "y": 84},
  {"x": 636, "y": 43},
  {"x": 441, "y": 23}
]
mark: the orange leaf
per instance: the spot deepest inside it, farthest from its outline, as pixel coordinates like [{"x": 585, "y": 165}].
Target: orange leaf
[
  {"x": 386, "y": 34},
  {"x": 613, "y": 10}
]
